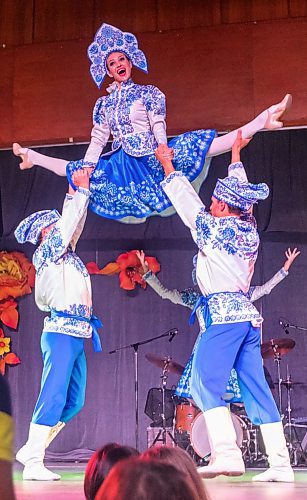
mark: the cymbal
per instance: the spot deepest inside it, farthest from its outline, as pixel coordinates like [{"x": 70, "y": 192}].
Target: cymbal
[
  {"x": 274, "y": 347},
  {"x": 165, "y": 362}
]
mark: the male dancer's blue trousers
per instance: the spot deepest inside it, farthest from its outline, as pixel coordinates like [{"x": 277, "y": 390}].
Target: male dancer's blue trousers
[
  {"x": 227, "y": 346},
  {"x": 63, "y": 382}
]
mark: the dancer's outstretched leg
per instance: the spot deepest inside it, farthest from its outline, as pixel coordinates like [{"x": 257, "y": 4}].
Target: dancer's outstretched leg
[
  {"x": 30, "y": 158},
  {"x": 268, "y": 119}
]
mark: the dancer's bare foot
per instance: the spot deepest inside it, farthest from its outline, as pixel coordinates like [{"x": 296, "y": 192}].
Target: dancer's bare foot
[
  {"x": 276, "y": 111},
  {"x": 23, "y": 153}
]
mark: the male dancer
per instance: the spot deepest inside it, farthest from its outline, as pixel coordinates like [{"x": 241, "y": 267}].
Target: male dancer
[
  {"x": 188, "y": 298},
  {"x": 63, "y": 288},
  {"x": 228, "y": 243}
]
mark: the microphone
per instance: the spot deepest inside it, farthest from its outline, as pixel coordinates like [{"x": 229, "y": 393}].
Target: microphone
[
  {"x": 172, "y": 334},
  {"x": 285, "y": 326}
]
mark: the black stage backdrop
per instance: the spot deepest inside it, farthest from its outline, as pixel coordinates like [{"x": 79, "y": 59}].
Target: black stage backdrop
[{"x": 278, "y": 158}]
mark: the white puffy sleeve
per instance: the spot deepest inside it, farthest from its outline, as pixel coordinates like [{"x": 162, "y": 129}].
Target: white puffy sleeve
[
  {"x": 80, "y": 225},
  {"x": 99, "y": 135},
  {"x": 154, "y": 102}
]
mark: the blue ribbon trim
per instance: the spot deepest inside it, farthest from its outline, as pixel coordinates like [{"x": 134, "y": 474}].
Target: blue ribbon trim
[
  {"x": 94, "y": 322},
  {"x": 204, "y": 301}
]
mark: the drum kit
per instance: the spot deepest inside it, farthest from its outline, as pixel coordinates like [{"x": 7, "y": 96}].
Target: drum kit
[{"x": 189, "y": 427}]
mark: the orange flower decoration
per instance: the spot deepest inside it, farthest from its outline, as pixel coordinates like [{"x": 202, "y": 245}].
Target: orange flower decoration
[
  {"x": 6, "y": 357},
  {"x": 129, "y": 268},
  {"x": 9, "y": 313},
  {"x": 4, "y": 345},
  {"x": 17, "y": 275}
]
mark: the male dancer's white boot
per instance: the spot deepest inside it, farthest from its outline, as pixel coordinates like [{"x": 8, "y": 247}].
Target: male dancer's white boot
[
  {"x": 275, "y": 445},
  {"x": 54, "y": 431},
  {"x": 31, "y": 455},
  {"x": 226, "y": 457}
]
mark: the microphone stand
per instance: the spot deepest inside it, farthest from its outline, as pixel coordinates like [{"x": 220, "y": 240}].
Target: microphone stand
[
  {"x": 170, "y": 333},
  {"x": 285, "y": 326},
  {"x": 296, "y": 327}
]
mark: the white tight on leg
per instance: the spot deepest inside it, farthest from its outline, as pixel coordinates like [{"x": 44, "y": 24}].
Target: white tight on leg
[
  {"x": 224, "y": 143},
  {"x": 56, "y": 165},
  {"x": 268, "y": 119}
]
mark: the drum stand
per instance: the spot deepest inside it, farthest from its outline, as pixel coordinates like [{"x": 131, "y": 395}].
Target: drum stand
[
  {"x": 294, "y": 444},
  {"x": 277, "y": 359},
  {"x": 162, "y": 434}
]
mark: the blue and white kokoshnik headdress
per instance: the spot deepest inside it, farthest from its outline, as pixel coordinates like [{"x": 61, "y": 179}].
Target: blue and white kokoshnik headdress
[
  {"x": 235, "y": 190},
  {"x": 30, "y": 228},
  {"x": 109, "y": 39}
]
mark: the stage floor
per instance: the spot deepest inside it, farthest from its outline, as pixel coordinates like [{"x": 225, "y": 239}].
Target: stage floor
[{"x": 222, "y": 488}]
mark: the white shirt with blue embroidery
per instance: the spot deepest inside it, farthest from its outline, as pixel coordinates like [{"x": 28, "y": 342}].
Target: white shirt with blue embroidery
[
  {"x": 228, "y": 248},
  {"x": 189, "y": 296},
  {"x": 134, "y": 115},
  {"x": 62, "y": 280}
]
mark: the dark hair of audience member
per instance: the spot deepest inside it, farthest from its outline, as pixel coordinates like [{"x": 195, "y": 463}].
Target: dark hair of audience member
[
  {"x": 101, "y": 463},
  {"x": 136, "y": 479},
  {"x": 180, "y": 459}
]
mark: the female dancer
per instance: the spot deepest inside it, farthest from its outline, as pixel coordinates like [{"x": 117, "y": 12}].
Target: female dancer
[{"x": 125, "y": 184}]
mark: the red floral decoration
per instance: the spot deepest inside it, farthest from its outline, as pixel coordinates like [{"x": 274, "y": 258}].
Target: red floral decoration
[
  {"x": 129, "y": 268},
  {"x": 17, "y": 277},
  {"x": 6, "y": 357}
]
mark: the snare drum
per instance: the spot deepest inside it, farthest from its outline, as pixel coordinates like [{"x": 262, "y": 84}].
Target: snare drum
[
  {"x": 200, "y": 439},
  {"x": 184, "y": 415}
]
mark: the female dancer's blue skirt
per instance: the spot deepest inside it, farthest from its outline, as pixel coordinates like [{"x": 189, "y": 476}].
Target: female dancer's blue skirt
[
  {"x": 128, "y": 188},
  {"x": 232, "y": 391}
]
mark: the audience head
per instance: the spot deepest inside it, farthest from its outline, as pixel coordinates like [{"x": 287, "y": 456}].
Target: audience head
[
  {"x": 101, "y": 463},
  {"x": 180, "y": 459},
  {"x": 137, "y": 479}
]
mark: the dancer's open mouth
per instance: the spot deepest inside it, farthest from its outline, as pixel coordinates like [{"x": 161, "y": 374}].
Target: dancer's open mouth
[{"x": 121, "y": 72}]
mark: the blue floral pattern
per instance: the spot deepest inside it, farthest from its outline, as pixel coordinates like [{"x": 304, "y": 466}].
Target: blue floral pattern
[
  {"x": 189, "y": 296},
  {"x": 71, "y": 326},
  {"x": 123, "y": 185},
  {"x": 109, "y": 39},
  {"x": 183, "y": 388},
  {"x": 126, "y": 182},
  {"x": 53, "y": 249},
  {"x": 239, "y": 194},
  {"x": 231, "y": 234},
  {"x": 115, "y": 110},
  {"x": 231, "y": 307}
]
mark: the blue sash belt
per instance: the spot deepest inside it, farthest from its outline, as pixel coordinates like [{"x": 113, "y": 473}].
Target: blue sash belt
[
  {"x": 93, "y": 321},
  {"x": 204, "y": 302}
]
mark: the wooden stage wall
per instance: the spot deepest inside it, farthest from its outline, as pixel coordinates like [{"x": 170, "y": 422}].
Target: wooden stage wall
[{"x": 219, "y": 62}]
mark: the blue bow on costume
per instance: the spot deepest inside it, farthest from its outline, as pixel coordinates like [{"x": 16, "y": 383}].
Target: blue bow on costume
[
  {"x": 93, "y": 321},
  {"x": 202, "y": 301}
]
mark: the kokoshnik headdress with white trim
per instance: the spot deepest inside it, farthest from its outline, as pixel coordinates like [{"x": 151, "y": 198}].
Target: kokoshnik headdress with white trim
[{"x": 109, "y": 39}]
